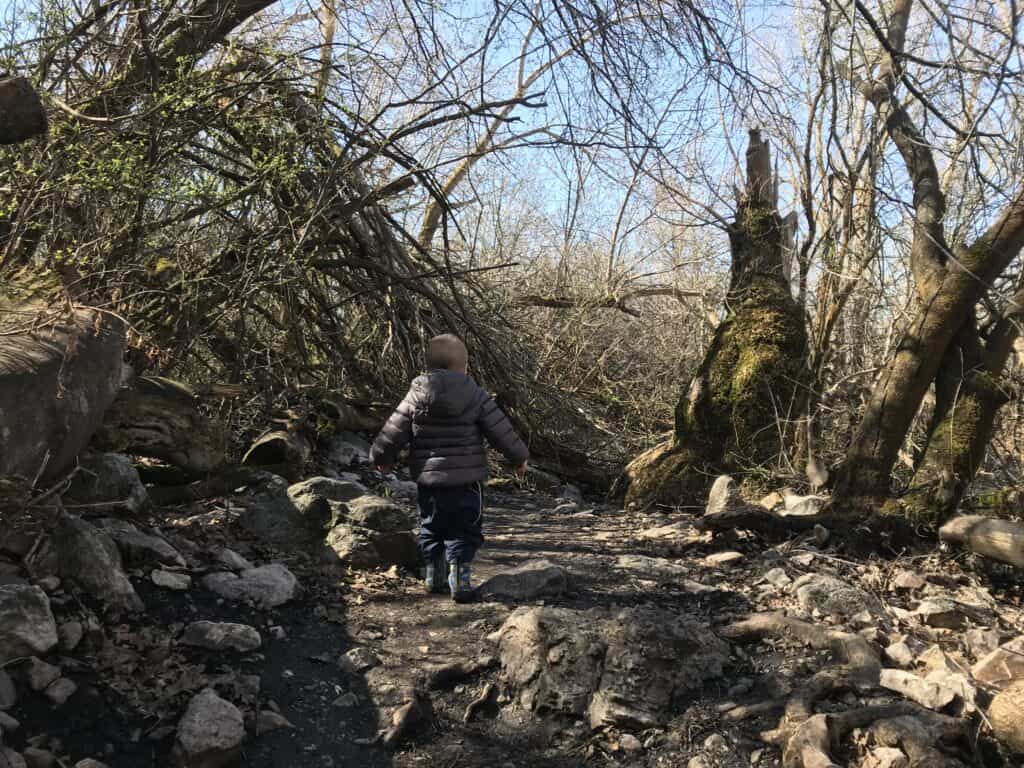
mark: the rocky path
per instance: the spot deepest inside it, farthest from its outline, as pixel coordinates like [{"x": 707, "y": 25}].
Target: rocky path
[{"x": 601, "y": 636}]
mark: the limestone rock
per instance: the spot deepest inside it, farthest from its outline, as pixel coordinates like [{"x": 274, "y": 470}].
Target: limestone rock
[
  {"x": 90, "y": 763},
  {"x": 678, "y": 536},
  {"x": 346, "y": 448},
  {"x": 27, "y": 627},
  {"x": 833, "y": 597},
  {"x": 403, "y": 489},
  {"x": 140, "y": 549},
  {"x": 60, "y": 690},
  {"x": 358, "y": 660},
  {"x": 981, "y": 642},
  {"x": 931, "y": 694},
  {"x": 908, "y": 580},
  {"x": 900, "y": 654},
  {"x": 40, "y": 674},
  {"x": 40, "y": 758},
  {"x": 777, "y": 577},
  {"x": 722, "y": 560},
  {"x": 70, "y": 634},
  {"x": 233, "y": 561},
  {"x": 295, "y": 517},
  {"x": 107, "y": 481},
  {"x": 378, "y": 514},
  {"x": 620, "y": 668},
  {"x": 7, "y": 723},
  {"x": 652, "y": 568},
  {"x": 8, "y": 693},
  {"x": 725, "y": 496},
  {"x": 796, "y": 505},
  {"x": 532, "y": 580},
  {"x": 89, "y": 558},
  {"x": 269, "y": 721},
  {"x": 570, "y": 492},
  {"x": 11, "y": 759},
  {"x": 362, "y": 548},
  {"x": 179, "y": 582},
  {"x": 886, "y": 757},
  {"x": 267, "y": 586},
  {"x": 210, "y": 733},
  {"x": 221, "y": 636},
  {"x": 1002, "y": 666},
  {"x": 943, "y": 613}
]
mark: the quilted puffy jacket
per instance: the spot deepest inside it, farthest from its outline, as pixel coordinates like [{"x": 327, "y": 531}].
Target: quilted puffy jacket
[{"x": 445, "y": 418}]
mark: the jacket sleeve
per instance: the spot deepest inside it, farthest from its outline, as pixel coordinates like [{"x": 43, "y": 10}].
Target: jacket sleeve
[
  {"x": 500, "y": 433},
  {"x": 396, "y": 433}
]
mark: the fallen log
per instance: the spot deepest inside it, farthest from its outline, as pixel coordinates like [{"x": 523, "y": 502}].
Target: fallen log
[
  {"x": 21, "y": 112},
  {"x": 159, "y": 418},
  {"x": 1001, "y": 540},
  {"x": 290, "y": 446},
  {"x": 59, "y": 372}
]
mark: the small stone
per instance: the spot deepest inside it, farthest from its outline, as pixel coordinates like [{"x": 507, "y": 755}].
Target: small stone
[
  {"x": 716, "y": 742},
  {"x": 11, "y": 759},
  {"x": 70, "y": 634},
  {"x": 7, "y": 723},
  {"x": 1006, "y": 713},
  {"x": 278, "y": 633},
  {"x": 49, "y": 583},
  {"x": 936, "y": 659},
  {"x": 59, "y": 691},
  {"x": 41, "y": 674},
  {"x": 566, "y": 509},
  {"x": 8, "y": 693},
  {"x": 909, "y": 581},
  {"x": 39, "y": 758},
  {"x": 900, "y": 654},
  {"x": 698, "y": 762},
  {"x": 233, "y": 561},
  {"x": 942, "y": 613},
  {"x": 271, "y": 721},
  {"x": 27, "y": 627},
  {"x": 90, "y": 763},
  {"x": 358, "y": 660},
  {"x": 179, "y": 582},
  {"x": 268, "y": 585},
  {"x": 804, "y": 559},
  {"x": 831, "y": 596},
  {"x": 346, "y": 700},
  {"x": 777, "y": 577},
  {"x": 886, "y": 757},
  {"x": 630, "y": 743},
  {"x": 722, "y": 559},
  {"x": 821, "y": 535},
  {"x": 981, "y": 642},
  {"x": 221, "y": 636},
  {"x": 532, "y": 580},
  {"x": 210, "y": 733}
]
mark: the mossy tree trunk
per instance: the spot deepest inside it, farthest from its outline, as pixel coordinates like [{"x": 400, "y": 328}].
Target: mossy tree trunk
[
  {"x": 733, "y": 415},
  {"x": 969, "y": 391},
  {"x": 948, "y": 290}
]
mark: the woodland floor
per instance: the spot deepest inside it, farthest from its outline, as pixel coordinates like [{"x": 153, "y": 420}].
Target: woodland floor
[{"x": 123, "y": 712}]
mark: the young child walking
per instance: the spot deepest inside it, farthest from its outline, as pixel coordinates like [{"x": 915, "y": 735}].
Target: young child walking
[{"x": 444, "y": 419}]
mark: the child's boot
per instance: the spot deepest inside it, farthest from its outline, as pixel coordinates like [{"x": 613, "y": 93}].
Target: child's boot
[
  {"x": 459, "y": 582},
  {"x": 435, "y": 580}
]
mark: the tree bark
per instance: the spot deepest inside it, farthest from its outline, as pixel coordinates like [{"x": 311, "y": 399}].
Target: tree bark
[
  {"x": 734, "y": 414},
  {"x": 21, "y": 112}
]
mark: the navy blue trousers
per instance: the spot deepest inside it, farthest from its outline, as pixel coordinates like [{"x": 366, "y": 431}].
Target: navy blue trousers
[{"x": 451, "y": 521}]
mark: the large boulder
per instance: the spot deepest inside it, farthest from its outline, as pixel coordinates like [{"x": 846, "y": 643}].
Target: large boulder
[
  {"x": 27, "y": 627},
  {"x": 210, "y": 733},
  {"x": 140, "y": 549},
  {"x": 299, "y": 516},
  {"x": 107, "y": 482},
  {"x": 621, "y": 668},
  {"x": 267, "y": 586},
  {"x": 57, "y": 378},
  {"x": 89, "y": 558},
  {"x": 363, "y": 548}
]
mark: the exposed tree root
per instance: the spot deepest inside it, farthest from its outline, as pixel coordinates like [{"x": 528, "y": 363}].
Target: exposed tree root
[
  {"x": 407, "y": 719},
  {"x": 807, "y": 738}
]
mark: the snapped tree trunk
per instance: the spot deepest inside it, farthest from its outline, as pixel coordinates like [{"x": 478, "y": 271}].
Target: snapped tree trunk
[{"x": 734, "y": 414}]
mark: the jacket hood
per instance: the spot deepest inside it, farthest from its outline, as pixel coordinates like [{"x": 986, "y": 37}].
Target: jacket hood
[{"x": 446, "y": 393}]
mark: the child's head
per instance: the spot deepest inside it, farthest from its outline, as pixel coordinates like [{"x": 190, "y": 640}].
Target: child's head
[{"x": 447, "y": 351}]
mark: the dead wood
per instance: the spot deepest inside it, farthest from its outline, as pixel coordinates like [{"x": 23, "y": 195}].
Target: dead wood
[
  {"x": 485, "y": 703},
  {"x": 407, "y": 719},
  {"x": 1001, "y": 540},
  {"x": 159, "y": 418},
  {"x": 761, "y": 520}
]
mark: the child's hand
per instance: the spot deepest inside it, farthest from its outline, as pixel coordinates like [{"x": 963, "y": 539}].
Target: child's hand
[
  {"x": 385, "y": 469},
  {"x": 521, "y": 470}
]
